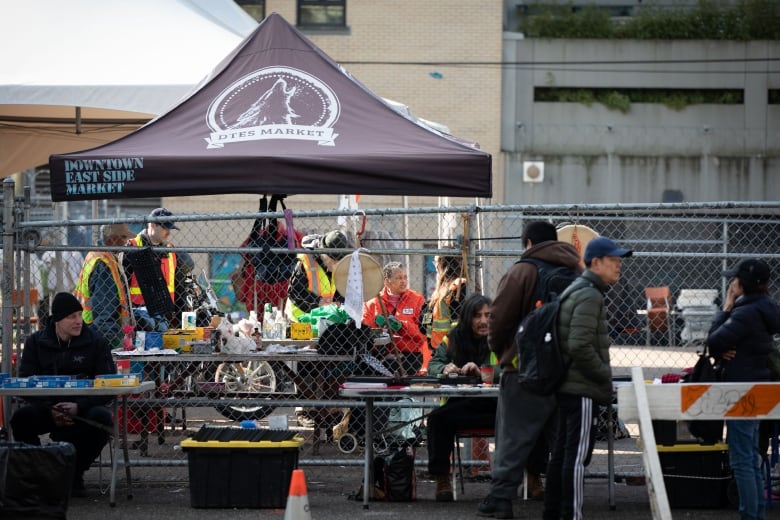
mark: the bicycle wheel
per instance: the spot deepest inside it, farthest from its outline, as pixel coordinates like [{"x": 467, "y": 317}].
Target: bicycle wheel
[{"x": 252, "y": 377}]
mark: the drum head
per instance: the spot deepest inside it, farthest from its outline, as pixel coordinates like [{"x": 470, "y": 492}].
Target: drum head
[
  {"x": 373, "y": 280},
  {"x": 578, "y": 236}
]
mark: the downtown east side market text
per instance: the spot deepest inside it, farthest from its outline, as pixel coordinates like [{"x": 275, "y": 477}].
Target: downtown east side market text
[{"x": 99, "y": 176}]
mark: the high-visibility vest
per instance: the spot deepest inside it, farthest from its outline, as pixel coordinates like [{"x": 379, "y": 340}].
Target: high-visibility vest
[
  {"x": 319, "y": 283},
  {"x": 82, "y": 288},
  {"x": 168, "y": 268},
  {"x": 442, "y": 321}
]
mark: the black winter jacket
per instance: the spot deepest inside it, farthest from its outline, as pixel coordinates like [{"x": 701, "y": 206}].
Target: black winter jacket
[
  {"x": 86, "y": 356},
  {"x": 748, "y": 329}
]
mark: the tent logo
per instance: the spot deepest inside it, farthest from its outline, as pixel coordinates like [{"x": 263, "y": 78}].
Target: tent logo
[{"x": 274, "y": 103}]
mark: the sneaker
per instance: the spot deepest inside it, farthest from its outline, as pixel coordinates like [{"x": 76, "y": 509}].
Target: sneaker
[
  {"x": 444, "y": 489},
  {"x": 495, "y": 508},
  {"x": 78, "y": 489},
  {"x": 535, "y": 487}
]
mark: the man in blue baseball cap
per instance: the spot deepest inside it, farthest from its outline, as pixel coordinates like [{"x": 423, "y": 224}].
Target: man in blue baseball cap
[{"x": 583, "y": 335}]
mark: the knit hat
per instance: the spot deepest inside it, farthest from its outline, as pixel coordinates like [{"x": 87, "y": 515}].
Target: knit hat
[{"x": 63, "y": 305}]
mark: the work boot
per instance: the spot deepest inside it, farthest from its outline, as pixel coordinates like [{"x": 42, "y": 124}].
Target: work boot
[
  {"x": 495, "y": 508},
  {"x": 77, "y": 488},
  {"x": 535, "y": 487},
  {"x": 443, "y": 489}
]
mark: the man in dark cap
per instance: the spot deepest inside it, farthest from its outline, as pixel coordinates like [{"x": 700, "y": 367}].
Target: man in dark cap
[
  {"x": 66, "y": 347},
  {"x": 311, "y": 285},
  {"x": 583, "y": 334},
  {"x": 173, "y": 266}
]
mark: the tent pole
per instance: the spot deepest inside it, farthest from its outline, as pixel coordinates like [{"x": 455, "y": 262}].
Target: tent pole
[{"x": 78, "y": 120}]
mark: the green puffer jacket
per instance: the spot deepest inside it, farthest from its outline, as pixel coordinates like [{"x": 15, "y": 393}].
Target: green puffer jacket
[{"x": 584, "y": 338}]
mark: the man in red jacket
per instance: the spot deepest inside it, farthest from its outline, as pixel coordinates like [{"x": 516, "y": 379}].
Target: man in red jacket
[{"x": 399, "y": 308}]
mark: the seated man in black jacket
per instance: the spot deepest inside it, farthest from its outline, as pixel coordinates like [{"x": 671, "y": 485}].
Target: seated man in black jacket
[{"x": 66, "y": 347}]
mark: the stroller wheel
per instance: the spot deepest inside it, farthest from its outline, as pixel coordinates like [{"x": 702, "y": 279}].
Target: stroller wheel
[{"x": 348, "y": 443}]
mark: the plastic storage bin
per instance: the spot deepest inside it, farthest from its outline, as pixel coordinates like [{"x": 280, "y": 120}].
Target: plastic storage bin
[
  {"x": 696, "y": 475},
  {"x": 240, "y": 473}
]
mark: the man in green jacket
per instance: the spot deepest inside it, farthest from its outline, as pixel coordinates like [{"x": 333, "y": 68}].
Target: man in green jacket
[{"x": 583, "y": 336}]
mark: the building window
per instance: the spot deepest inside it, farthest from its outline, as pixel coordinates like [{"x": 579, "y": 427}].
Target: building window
[
  {"x": 255, "y": 8},
  {"x": 322, "y": 13}
]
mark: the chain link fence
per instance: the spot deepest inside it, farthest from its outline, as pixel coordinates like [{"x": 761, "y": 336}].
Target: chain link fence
[{"x": 680, "y": 246}]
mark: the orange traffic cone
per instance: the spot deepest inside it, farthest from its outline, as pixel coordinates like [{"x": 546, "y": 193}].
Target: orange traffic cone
[{"x": 297, "y": 499}]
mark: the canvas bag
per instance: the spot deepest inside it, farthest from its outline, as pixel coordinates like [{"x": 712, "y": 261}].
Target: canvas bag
[{"x": 394, "y": 474}]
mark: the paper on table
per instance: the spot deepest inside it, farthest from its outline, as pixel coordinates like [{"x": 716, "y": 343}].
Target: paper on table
[{"x": 357, "y": 384}]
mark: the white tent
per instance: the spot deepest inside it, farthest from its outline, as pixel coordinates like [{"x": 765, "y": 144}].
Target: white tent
[{"x": 79, "y": 73}]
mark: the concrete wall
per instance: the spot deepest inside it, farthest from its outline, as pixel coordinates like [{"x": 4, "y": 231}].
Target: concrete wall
[{"x": 593, "y": 154}]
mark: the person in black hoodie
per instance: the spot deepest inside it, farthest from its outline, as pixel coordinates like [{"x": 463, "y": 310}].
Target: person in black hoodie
[
  {"x": 741, "y": 338},
  {"x": 66, "y": 347}
]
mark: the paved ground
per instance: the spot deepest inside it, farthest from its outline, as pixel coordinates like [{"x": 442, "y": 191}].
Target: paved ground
[{"x": 162, "y": 492}]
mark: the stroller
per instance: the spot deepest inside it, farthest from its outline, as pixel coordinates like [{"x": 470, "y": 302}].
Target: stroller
[{"x": 393, "y": 426}]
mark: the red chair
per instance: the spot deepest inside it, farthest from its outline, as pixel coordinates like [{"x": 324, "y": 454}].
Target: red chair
[{"x": 659, "y": 312}]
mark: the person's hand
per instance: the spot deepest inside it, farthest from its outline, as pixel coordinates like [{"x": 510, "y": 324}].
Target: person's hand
[
  {"x": 733, "y": 292},
  {"x": 470, "y": 368},
  {"x": 728, "y": 355},
  {"x": 325, "y": 301},
  {"x": 63, "y": 413},
  {"x": 450, "y": 368}
]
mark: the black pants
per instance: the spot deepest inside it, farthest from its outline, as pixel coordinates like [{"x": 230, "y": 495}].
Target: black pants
[
  {"x": 29, "y": 422},
  {"x": 443, "y": 422},
  {"x": 571, "y": 450}
]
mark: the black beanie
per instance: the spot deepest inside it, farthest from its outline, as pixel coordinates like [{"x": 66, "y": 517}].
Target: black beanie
[{"x": 63, "y": 305}]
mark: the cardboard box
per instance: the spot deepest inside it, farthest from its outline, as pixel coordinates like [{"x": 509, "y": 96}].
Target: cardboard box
[
  {"x": 300, "y": 331},
  {"x": 241, "y": 474},
  {"x": 118, "y": 380},
  {"x": 178, "y": 339},
  {"x": 696, "y": 475}
]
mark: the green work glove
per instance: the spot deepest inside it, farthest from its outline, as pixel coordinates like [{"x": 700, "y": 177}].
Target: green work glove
[{"x": 394, "y": 323}]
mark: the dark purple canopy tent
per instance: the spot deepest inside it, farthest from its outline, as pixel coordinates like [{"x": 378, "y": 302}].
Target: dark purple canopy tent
[{"x": 276, "y": 116}]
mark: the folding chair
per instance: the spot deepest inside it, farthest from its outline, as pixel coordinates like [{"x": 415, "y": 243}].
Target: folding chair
[{"x": 470, "y": 433}]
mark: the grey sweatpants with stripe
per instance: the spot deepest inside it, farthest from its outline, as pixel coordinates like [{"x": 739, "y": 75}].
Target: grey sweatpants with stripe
[{"x": 520, "y": 418}]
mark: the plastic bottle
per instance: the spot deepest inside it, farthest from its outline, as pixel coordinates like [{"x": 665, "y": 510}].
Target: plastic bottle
[
  {"x": 127, "y": 341},
  {"x": 278, "y": 324},
  {"x": 268, "y": 322}
]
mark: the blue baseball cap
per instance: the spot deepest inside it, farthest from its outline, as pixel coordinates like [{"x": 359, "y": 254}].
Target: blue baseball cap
[{"x": 602, "y": 246}]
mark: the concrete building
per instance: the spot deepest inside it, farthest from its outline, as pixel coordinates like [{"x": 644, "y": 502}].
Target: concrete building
[{"x": 572, "y": 152}]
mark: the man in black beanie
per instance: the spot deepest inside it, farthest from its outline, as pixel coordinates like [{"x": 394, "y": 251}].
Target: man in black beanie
[{"x": 66, "y": 347}]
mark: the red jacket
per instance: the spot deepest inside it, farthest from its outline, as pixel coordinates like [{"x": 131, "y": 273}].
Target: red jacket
[{"x": 408, "y": 338}]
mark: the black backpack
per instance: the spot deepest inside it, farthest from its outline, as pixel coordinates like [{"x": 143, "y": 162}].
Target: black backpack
[
  {"x": 541, "y": 364},
  {"x": 551, "y": 279},
  {"x": 265, "y": 235}
]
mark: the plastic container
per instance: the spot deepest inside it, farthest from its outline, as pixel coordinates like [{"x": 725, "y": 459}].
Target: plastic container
[
  {"x": 240, "y": 474},
  {"x": 696, "y": 475}
]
